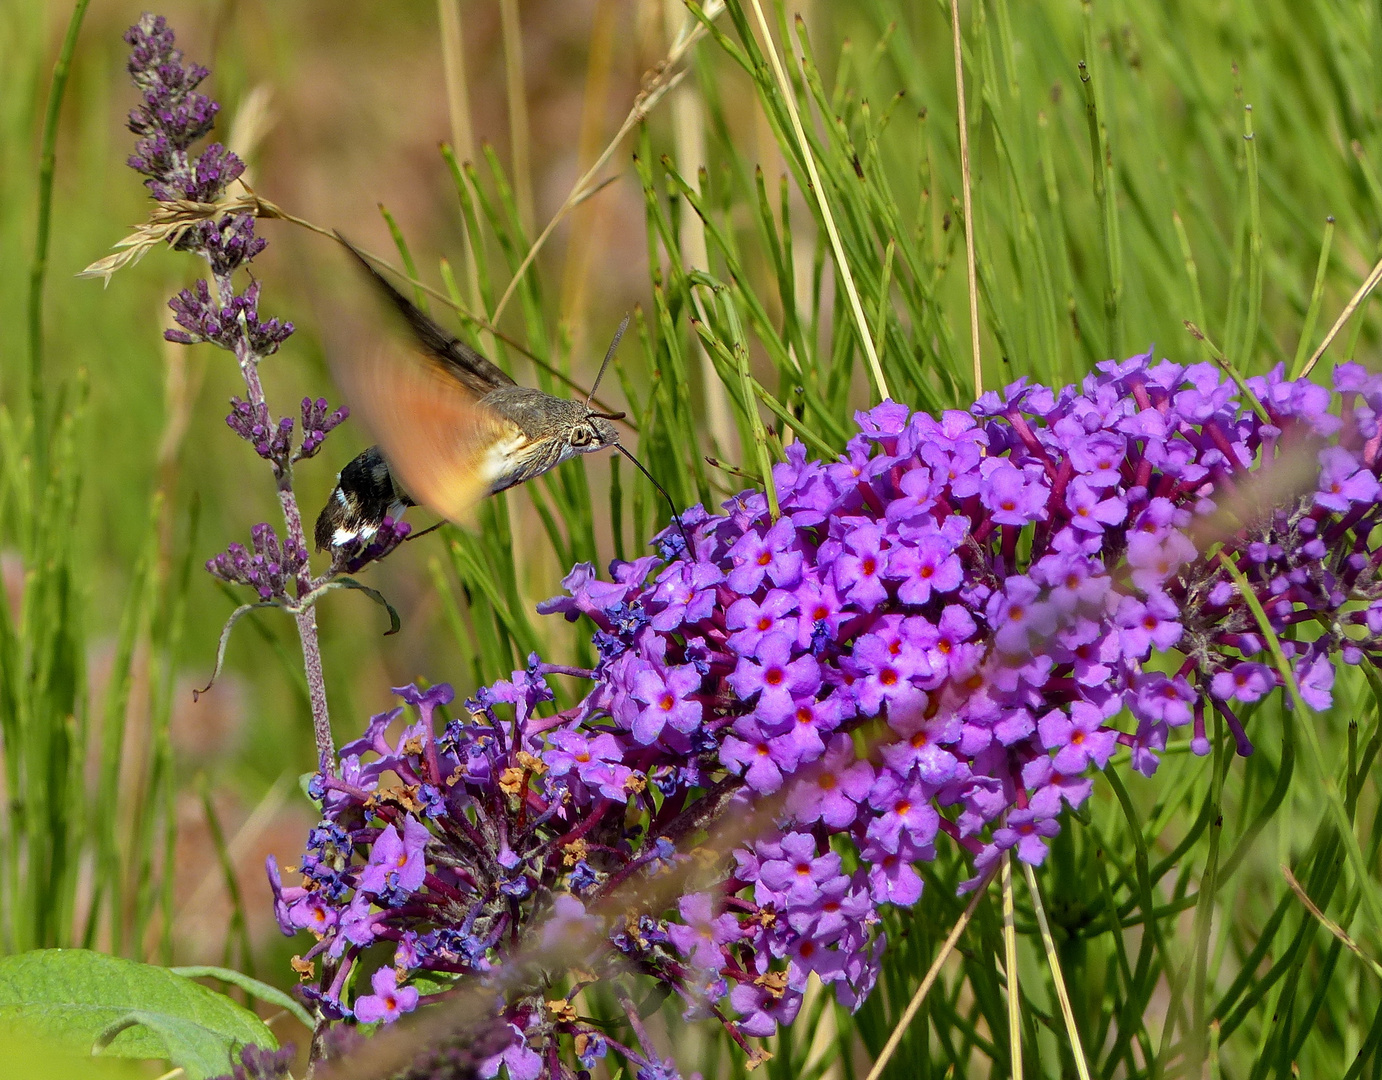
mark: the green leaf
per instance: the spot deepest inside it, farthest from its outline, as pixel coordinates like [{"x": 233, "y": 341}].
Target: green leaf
[
  {"x": 263, "y": 991},
  {"x": 433, "y": 982},
  {"x": 305, "y": 786},
  {"x": 199, "y": 1051},
  {"x": 395, "y": 623},
  {"x": 85, "y": 1001}
]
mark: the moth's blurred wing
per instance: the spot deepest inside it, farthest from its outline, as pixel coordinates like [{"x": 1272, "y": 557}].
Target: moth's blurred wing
[
  {"x": 443, "y": 447},
  {"x": 464, "y": 363}
]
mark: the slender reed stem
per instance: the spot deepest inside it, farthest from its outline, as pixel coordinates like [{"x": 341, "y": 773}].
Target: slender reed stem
[
  {"x": 836, "y": 245},
  {"x": 1192, "y": 274},
  {"x": 932, "y": 973},
  {"x": 1369, "y": 283},
  {"x": 520, "y": 139},
  {"x": 1076, "y": 1048},
  {"x": 454, "y": 73},
  {"x": 1307, "y": 331},
  {"x": 458, "y": 111},
  {"x": 1010, "y": 968},
  {"x": 38, "y": 272},
  {"x": 1197, "y": 1043},
  {"x": 1254, "y": 244},
  {"x": 963, "y": 120},
  {"x": 688, "y": 131}
]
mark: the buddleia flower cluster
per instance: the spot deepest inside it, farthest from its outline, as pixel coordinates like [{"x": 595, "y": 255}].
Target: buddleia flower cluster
[{"x": 939, "y": 639}]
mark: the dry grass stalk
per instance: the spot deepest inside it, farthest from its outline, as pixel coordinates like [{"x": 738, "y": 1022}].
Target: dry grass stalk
[{"x": 656, "y": 84}]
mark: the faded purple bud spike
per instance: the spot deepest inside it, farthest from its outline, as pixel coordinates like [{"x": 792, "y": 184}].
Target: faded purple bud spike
[
  {"x": 170, "y": 117},
  {"x": 270, "y": 570},
  {"x": 213, "y": 172},
  {"x": 317, "y": 423},
  {"x": 271, "y": 441},
  {"x": 228, "y": 244}
]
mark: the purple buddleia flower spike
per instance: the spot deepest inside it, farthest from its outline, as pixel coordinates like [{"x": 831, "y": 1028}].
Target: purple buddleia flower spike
[{"x": 941, "y": 639}]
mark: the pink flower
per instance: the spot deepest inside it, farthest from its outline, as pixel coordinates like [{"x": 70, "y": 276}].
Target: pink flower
[{"x": 389, "y": 1000}]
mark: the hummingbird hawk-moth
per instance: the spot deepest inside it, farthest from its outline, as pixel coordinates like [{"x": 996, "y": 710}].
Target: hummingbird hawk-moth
[{"x": 452, "y": 428}]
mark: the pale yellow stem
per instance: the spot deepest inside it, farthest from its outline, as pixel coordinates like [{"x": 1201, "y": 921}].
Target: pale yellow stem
[
  {"x": 665, "y": 78},
  {"x": 688, "y": 131},
  {"x": 1010, "y": 969},
  {"x": 458, "y": 111},
  {"x": 1076, "y": 1047},
  {"x": 519, "y": 134},
  {"x": 580, "y": 252},
  {"x": 890, "y": 1047},
  {"x": 963, "y": 121},
  {"x": 841, "y": 264},
  {"x": 1369, "y": 283},
  {"x": 454, "y": 75}
]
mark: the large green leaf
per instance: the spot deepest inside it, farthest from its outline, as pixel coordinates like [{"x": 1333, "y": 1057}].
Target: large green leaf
[
  {"x": 82, "y": 1000},
  {"x": 263, "y": 991}
]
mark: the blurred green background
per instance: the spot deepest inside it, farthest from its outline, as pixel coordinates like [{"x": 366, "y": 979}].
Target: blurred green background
[
  {"x": 353, "y": 107},
  {"x": 1106, "y": 214}
]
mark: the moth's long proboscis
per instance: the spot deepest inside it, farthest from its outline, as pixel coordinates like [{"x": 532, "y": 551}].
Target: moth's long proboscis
[{"x": 676, "y": 518}]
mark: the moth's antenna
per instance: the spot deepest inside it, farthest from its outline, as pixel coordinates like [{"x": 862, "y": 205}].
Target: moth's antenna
[
  {"x": 662, "y": 490},
  {"x": 609, "y": 355}
]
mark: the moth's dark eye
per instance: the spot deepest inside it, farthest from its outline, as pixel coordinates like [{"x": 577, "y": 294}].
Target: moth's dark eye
[{"x": 581, "y": 436}]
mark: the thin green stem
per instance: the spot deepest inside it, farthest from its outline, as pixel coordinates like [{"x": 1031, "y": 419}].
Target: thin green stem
[
  {"x": 1245, "y": 351},
  {"x": 38, "y": 273},
  {"x": 1307, "y": 330},
  {"x": 1334, "y": 804}
]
